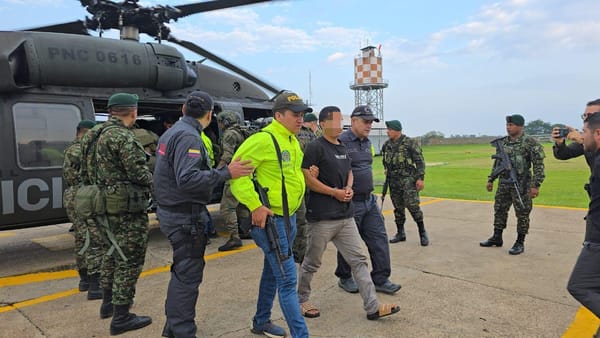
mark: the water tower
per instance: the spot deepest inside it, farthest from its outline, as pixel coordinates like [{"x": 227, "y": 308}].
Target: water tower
[{"x": 368, "y": 82}]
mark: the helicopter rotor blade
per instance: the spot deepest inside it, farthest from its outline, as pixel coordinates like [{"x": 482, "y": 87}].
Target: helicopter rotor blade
[
  {"x": 206, "y": 6},
  {"x": 73, "y": 27},
  {"x": 203, "y": 52}
]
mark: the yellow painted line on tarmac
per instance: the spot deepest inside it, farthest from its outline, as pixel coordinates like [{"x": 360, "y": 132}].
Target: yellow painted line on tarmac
[
  {"x": 36, "y": 277},
  {"x": 39, "y": 300},
  {"x": 585, "y": 324},
  {"x": 33, "y": 278},
  {"x": 5, "y": 234}
]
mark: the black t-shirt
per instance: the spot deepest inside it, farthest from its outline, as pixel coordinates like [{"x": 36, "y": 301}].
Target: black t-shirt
[{"x": 334, "y": 165}]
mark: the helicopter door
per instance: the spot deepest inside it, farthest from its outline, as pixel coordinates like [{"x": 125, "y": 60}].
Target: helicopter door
[{"x": 36, "y": 131}]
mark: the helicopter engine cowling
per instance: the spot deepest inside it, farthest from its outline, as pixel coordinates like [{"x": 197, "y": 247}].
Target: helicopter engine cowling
[{"x": 36, "y": 59}]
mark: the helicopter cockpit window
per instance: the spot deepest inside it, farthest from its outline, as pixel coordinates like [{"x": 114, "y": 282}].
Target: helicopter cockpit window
[{"x": 43, "y": 131}]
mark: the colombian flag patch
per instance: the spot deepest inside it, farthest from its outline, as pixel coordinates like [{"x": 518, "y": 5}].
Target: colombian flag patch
[{"x": 193, "y": 152}]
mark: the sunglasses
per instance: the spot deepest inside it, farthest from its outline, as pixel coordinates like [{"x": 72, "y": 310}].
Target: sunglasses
[{"x": 584, "y": 116}]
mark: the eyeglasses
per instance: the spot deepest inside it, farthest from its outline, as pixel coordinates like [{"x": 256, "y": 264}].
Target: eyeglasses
[{"x": 584, "y": 116}]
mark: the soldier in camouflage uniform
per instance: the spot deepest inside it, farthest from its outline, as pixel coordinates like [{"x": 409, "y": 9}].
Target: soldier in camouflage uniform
[
  {"x": 405, "y": 169},
  {"x": 116, "y": 161},
  {"x": 88, "y": 256},
  {"x": 231, "y": 139},
  {"x": 305, "y": 135},
  {"x": 525, "y": 153},
  {"x": 148, "y": 139}
]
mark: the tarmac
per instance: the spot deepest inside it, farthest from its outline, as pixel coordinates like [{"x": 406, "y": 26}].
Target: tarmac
[{"x": 451, "y": 288}]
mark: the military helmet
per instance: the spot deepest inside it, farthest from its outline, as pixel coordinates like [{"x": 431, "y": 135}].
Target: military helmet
[{"x": 228, "y": 118}]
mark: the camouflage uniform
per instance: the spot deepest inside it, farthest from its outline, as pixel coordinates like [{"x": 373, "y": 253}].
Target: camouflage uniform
[
  {"x": 89, "y": 261},
  {"x": 232, "y": 138},
  {"x": 119, "y": 159},
  {"x": 404, "y": 165},
  {"x": 305, "y": 136},
  {"x": 148, "y": 140},
  {"x": 524, "y": 152}
]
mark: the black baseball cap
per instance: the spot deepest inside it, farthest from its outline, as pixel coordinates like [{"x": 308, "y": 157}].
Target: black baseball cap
[
  {"x": 198, "y": 102},
  {"x": 292, "y": 101},
  {"x": 364, "y": 112}
]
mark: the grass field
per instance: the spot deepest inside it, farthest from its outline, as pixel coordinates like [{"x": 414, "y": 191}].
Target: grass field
[{"x": 461, "y": 171}]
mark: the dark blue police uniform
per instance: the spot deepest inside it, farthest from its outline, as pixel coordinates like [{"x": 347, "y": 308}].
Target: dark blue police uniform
[
  {"x": 367, "y": 215},
  {"x": 183, "y": 183}
]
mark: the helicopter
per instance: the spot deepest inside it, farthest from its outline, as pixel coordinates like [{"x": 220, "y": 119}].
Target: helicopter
[{"x": 54, "y": 76}]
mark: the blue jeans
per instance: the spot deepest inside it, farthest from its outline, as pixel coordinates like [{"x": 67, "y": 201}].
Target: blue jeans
[{"x": 272, "y": 280}]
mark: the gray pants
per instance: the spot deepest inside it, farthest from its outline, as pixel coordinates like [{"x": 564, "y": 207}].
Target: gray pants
[
  {"x": 344, "y": 235},
  {"x": 584, "y": 284}
]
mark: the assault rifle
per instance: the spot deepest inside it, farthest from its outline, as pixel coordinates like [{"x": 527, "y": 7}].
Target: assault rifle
[
  {"x": 270, "y": 227},
  {"x": 384, "y": 189},
  {"x": 504, "y": 167}
]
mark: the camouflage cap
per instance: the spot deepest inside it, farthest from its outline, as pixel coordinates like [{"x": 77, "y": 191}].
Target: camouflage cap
[
  {"x": 292, "y": 101},
  {"x": 394, "y": 125},
  {"x": 228, "y": 118},
  {"x": 86, "y": 124},
  {"x": 516, "y": 119},
  {"x": 123, "y": 100},
  {"x": 310, "y": 117}
]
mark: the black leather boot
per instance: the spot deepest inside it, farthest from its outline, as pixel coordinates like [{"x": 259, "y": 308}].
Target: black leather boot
[
  {"x": 124, "y": 321},
  {"x": 84, "y": 283},
  {"x": 94, "y": 291},
  {"x": 423, "y": 234},
  {"x": 519, "y": 245},
  {"x": 496, "y": 239},
  {"x": 106, "y": 309},
  {"x": 400, "y": 236}
]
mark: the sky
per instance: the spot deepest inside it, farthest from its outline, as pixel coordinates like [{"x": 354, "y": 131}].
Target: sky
[{"x": 455, "y": 67}]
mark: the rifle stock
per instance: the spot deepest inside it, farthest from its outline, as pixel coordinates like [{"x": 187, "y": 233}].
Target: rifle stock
[
  {"x": 271, "y": 228},
  {"x": 504, "y": 166}
]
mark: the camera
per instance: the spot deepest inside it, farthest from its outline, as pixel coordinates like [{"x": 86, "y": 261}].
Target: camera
[{"x": 563, "y": 132}]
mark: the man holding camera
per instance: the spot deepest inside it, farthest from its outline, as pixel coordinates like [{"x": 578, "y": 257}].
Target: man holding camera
[
  {"x": 525, "y": 153},
  {"x": 183, "y": 183},
  {"x": 564, "y": 151}
]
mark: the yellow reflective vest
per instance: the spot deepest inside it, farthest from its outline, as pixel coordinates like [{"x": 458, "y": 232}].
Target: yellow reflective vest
[{"x": 260, "y": 149}]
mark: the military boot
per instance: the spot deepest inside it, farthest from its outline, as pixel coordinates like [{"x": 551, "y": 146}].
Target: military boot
[
  {"x": 84, "y": 283},
  {"x": 496, "y": 239},
  {"x": 400, "y": 236},
  {"x": 232, "y": 244},
  {"x": 124, "y": 321},
  {"x": 94, "y": 291},
  {"x": 519, "y": 245},
  {"x": 423, "y": 234},
  {"x": 106, "y": 309}
]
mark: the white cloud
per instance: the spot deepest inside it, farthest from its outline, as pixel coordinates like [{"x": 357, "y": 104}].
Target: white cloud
[{"x": 335, "y": 57}]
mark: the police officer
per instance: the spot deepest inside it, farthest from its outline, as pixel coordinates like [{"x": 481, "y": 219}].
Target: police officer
[
  {"x": 305, "y": 135},
  {"x": 279, "y": 171},
  {"x": 116, "y": 161},
  {"x": 231, "y": 139},
  {"x": 183, "y": 183},
  {"x": 367, "y": 215},
  {"x": 527, "y": 158},
  {"x": 88, "y": 257},
  {"x": 405, "y": 171}
]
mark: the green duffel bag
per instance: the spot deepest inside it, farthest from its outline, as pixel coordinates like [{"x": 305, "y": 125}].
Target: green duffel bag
[{"x": 89, "y": 201}]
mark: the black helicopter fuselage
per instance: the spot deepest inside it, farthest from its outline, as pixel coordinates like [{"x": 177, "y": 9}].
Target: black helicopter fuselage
[{"x": 51, "y": 81}]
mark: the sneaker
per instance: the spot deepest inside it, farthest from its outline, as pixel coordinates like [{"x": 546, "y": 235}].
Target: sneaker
[
  {"x": 348, "y": 285},
  {"x": 231, "y": 244},
  {"x": 388, "y": 287},
  {"x": 268, "y": 329}
]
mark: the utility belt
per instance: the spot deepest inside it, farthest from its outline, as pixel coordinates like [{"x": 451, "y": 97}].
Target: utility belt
[
  {"x": 121, "y": 198},
  {"x": 361, "y": 197}
]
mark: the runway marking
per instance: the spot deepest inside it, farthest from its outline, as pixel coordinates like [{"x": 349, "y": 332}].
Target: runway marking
[
  {"x": 585, "y": 324},
  {"x": 5, "y": 234},
  {"x": 34, "y": 278}
]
